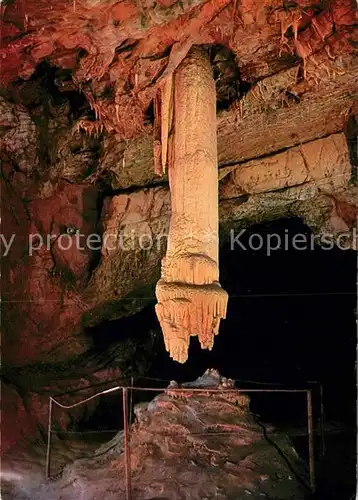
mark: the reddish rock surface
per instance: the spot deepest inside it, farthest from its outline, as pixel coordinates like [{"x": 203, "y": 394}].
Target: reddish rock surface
[
  {"x": 49, "y": 294},
  {"x": 188, "y": 446},
  {"x": 17, "y": 424},
  {"x": 123, "y": 47}
]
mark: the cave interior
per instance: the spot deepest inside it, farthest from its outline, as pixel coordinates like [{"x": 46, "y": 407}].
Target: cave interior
[{"x": 94, "y": 107}]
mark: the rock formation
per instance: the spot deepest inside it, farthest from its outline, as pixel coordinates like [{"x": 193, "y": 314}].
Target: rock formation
[
  {"x": 188, "y": 445},
  {"x": 190, "y": 299}
]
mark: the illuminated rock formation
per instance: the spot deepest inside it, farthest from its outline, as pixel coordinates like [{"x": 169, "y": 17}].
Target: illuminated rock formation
[
  {"x": 187, "y": 445},
  {"x": 190, "y": 299}
]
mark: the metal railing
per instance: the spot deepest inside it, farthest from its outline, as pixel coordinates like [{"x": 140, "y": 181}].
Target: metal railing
[{"x": 126, "y": 421}]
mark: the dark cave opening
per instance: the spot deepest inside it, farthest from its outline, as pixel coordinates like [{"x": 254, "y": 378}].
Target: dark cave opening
[
  {"x": 290, "y": 320},
  {"x": 50, "y": 84}
]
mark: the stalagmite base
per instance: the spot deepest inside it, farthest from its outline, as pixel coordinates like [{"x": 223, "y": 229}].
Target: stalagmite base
[{"x": 190, "y": 299}]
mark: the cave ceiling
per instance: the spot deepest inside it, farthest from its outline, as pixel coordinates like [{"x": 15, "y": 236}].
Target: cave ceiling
[{"x": 118, "y": 53}]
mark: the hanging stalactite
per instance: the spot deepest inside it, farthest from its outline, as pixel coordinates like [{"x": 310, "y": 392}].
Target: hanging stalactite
[{"x": 190, "y": 299}]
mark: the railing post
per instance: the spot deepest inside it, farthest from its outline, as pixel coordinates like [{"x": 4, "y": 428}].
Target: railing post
[
  {"x": 323, "y": 444},
  {"x": 311, "y": 458},
  {"x": 131, "y": 401},
  {"x": 127, "y": 453},
  {"x": 48, "y": 450}
]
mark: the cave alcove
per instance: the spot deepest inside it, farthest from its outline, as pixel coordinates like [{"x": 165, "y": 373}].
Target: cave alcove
[{"x": 290, "y": 321}]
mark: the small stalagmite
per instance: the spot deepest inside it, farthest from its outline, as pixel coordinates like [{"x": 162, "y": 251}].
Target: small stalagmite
[{"x": 190, "y": 299}]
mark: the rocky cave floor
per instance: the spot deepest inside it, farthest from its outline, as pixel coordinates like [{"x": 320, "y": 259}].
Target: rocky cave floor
[{"x": 186, "y": 446}]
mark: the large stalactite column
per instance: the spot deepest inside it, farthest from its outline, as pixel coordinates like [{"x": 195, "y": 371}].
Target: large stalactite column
[{"x": 190, "y": 298}]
